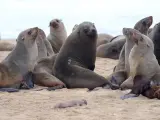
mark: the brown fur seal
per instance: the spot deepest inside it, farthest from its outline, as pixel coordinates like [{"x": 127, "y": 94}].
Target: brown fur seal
[
  {"x": 16, "y": 67},
  {"x": 155, "y": 36},
  {"x": 78, "y": 53},
  {"x": 6, "y": 46},
  {"x": 142, "y": 60},
  {"x": 57, "y": 34},
  {"x": 111, "y": 49},
  {"x": 71, "y": 103},
  {"x": 123, "y": 65},
  {"x": 103, "y": 38},
  {"x": 44, "y": 46}
]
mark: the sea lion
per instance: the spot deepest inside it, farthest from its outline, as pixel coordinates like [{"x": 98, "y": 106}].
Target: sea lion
[
  {"x": 44, "y": 46},
  {"x": 76, "y": 55},
  {"x": 155, "y": 36},
  {"x": 142, "y": 60},
  {"x": 6, "y": 46},
  {"x": 16, "y": 67},
  {"x": 57, "y": 34},
  {"x": 71, "y": 103},
  {"x": 123, "y": 65},
  {"x": 111, "y": 49}
]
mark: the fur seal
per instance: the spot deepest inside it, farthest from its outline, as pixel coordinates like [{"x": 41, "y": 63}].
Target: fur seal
[
  {"x": 155, "y": 36},
  {"x": 6, "y": 46},
  {"x": 16, "y": 67},
  {"x": 142, "y": 60},
  {"x": 44, "y": 46},
  {"x": 111, "y": 49},
  {"x": 123, "y": 65},
  {"x": 71, "y": 103},
  {"x": 57, "y": 34},
  {"x": 76, "y": 55},
  {"x": 102, "y": 37}
]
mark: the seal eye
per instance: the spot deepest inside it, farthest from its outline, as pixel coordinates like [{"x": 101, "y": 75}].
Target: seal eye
[
  {"x": 29, "y": 32},
  {"x": 144, "y": 23},
  {"x": 114, "y": 50},
  {"x": 57, "y": 20}
]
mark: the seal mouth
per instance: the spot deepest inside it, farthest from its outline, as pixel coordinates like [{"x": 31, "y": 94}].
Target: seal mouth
[
  {"x": 125, "y": 31},
  {"x": 54, "y": 24}
]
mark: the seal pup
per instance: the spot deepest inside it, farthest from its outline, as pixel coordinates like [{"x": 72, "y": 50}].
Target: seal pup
[
  {"x": 44, "y": 46},
  {"x": 16, "y": 67},
  {"x": 111, "y": 49},
  {"x": 155, "y": 36},
  {"x": 71, "y": 103},
  {"x": 123, "y": 65},
  {"x": 57, "y": 34},
  {"x": 142, "y": 60},
  {"x": 78, "y": 53},
  {"x": 143, "y": 86}
]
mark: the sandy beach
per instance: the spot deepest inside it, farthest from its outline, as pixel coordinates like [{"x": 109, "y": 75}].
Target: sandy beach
[{"x": 102, "y": 104}]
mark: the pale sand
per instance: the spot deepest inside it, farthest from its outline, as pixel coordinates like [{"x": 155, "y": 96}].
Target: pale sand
[{"x": 102, "y": 104}]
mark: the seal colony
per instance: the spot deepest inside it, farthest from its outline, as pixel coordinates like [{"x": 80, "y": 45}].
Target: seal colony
[{"x": 60, "y": 61}]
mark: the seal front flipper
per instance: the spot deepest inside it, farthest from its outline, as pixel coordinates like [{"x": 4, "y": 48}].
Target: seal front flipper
[
  {"x": 27, "y": 81},
  {"x": 9, "y": 90},
  {"x": 55, "y": 87}
]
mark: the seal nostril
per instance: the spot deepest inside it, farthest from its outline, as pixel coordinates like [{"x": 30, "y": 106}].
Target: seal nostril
[{"x": 93, "y": 31}]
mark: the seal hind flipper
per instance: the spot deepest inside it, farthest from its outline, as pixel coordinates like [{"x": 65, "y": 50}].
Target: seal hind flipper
[
  {"x": 9, "y": 90},
  {"x": 46, "y": 79},
  {"x": 84, "y": 78}
]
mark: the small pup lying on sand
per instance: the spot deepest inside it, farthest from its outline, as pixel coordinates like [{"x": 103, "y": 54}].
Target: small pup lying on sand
[{"x": 71, "y": 103}]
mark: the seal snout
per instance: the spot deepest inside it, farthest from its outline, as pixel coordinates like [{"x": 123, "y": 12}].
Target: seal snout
[
  {"x": 54, "y": 23},
  {"x": 34, "y": 32},
  {"x": 150, "y": 20},
  {"x": 92, "y": 32},
  {"x": 125, "y": 31}
]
